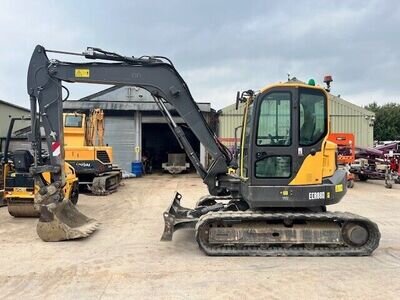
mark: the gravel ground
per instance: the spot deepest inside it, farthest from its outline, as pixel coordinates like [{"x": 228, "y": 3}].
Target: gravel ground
[{"x": 125, "y": 259}]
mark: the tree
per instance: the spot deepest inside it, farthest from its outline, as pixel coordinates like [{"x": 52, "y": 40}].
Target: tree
[{"x": 387, "y": 121}]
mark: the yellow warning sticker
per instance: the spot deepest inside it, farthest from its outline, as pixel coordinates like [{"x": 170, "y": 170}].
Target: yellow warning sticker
[
  {"x": 82, "y": 73},
  {"x": 339, "y": 188}
]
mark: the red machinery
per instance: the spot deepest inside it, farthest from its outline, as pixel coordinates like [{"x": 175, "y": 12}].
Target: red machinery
[
  {"x": 381, "y": 163},
  {"x": 346, "y": 152},
  {"x": 346, "y": 147}
]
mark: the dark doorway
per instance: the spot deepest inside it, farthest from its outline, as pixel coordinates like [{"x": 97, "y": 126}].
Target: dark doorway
[{"x": 158, "y": 140}]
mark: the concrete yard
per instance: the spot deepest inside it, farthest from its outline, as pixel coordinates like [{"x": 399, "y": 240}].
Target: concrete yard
[{"x": 125, "y": 258}]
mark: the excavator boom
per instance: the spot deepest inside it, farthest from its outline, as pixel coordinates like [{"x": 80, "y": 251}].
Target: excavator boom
[{"x": 155, "y": 74}]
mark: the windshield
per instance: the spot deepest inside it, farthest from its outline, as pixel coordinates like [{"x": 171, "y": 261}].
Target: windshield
[{"x": 73, "y": 121}]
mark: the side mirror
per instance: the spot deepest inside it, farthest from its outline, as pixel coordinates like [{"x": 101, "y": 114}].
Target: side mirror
[
  {"x": 237, "y": 100},
  {"x": 242, "y": 97}
]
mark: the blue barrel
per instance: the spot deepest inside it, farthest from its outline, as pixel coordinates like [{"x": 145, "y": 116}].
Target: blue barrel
[{"x": 137, "y": 168}]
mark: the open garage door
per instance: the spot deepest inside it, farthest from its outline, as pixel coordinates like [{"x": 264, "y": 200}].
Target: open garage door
[{"x": 158, "y": 140}]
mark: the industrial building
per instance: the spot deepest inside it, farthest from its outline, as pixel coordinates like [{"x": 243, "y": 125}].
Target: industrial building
[
  {"x": 345, "y": 117},
  {"x": 135, "y": 127},
  {"x": 8, "y": 110}
]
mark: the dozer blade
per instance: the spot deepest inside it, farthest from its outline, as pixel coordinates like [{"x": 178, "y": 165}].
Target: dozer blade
[
  {"x": 63, "y": 221},
  {"x": 177, "y": 217}
]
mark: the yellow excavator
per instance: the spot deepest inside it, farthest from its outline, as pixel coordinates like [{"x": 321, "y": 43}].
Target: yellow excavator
[
  {"x": 86, "y": 152},
  {"x": 276, "y": 204},
  {"x": 19, "y": 187}
]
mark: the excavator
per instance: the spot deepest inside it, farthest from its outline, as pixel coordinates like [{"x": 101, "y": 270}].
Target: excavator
[
  {"x": 275, "y": 205},
  {"x": 19, "y": 187},
  {"x": 86, "y": 152}
]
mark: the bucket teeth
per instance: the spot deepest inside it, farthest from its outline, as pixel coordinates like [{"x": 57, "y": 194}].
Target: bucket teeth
[{"x": 63, "y": 221}]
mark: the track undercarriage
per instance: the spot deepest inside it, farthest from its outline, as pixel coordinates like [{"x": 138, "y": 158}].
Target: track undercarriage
[
  {"x": 225, "y": 227},
  {"x": 106, "y": 183}
]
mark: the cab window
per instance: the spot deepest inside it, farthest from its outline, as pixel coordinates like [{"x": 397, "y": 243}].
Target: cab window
[
  {"x": 278, "y": 166},
  {"x": 274, "y": 123},
  {"x": 244, "y": 146},
  {"x": 73, "y": 121},
  {"x": 313, "y": 117}
]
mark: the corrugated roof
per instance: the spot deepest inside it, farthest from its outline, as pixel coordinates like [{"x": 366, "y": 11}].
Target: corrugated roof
[
  {"x": 101, "y": 93},
  {"x": 123, "y": 105},
  {"x": 121, "y": 97},
  {"x": 14, "y": 105},
  {"x": 360, "y": 109}
]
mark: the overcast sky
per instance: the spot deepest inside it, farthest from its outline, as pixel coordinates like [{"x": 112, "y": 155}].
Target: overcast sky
[{"x": 219, "y": 47}]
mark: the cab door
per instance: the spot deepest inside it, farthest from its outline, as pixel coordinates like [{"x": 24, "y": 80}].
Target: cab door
[{"x": 275, "y": 137}]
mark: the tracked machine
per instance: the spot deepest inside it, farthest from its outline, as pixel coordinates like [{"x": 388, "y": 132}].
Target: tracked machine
[
  {"x": 287, "y": 175},
  {"x": 19, "y": 187},
  {"x": 86, "y": 152}
]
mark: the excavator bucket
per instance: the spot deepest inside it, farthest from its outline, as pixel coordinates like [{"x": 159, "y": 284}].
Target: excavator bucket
[{"x": 63, "y": 221}]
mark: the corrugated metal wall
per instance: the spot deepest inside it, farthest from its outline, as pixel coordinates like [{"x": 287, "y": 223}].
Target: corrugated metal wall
[
  {"x": 121, "y": 135},
  {"x": 229, "y": 119},
  {"x": 345, "y": 117},
  {"x": 9, "y": 110}
]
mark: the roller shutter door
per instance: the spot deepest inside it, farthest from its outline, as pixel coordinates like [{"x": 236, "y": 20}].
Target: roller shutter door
[{"x": 120, "y": 134}]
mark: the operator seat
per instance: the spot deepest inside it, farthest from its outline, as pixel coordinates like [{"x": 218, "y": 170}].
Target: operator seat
[{"x": 22, "y": 160}]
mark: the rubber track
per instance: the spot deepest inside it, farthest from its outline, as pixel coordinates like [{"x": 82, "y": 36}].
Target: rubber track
[{"x": 342, "y": 250}]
